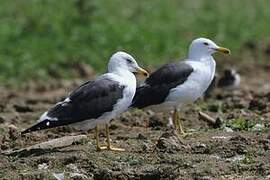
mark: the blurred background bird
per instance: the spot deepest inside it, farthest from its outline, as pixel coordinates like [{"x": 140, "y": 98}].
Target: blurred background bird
[{"x": 229, "y": 80}]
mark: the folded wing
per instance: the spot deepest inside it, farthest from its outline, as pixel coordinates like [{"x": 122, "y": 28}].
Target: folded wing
[
  {"x": 90, "y": 101},
  {"x": 158, "y": 85}
]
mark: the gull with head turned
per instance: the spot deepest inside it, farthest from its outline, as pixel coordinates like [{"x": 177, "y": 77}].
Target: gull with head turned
[
  {"x": 96, "y": 101},
  {"x": 176, "y": 84}
]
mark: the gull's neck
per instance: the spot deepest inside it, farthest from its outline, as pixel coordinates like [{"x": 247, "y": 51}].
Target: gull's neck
[
  {"x": 124, "y": 73},
  {"x": 206, "y": 59},
  {"x": 197, "y": 54}
]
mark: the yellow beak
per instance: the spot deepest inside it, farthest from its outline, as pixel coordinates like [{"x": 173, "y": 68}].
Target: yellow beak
[
  {"x": 141, "y": 71},
  {"x": 223, "y": 50}
]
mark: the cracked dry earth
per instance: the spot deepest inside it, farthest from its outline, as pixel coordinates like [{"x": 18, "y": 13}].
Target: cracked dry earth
[{"x": 239, "y": 148}]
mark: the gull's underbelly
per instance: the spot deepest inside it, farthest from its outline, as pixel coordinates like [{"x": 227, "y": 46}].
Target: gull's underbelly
[{"x": 190, "y": 90}]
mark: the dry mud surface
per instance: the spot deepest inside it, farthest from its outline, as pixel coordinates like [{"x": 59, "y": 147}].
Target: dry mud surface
[{"x": 239, "y": 148}]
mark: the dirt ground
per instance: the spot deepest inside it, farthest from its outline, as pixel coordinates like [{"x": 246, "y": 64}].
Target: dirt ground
[{"x": 239, "y": 148}]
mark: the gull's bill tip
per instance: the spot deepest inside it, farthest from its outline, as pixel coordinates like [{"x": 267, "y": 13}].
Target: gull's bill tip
[
  {"x": 223, "y": 50},
  {"x": 141, "y": 71}
]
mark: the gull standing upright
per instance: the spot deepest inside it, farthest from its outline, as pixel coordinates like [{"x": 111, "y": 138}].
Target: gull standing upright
[
  {"x": 96, "y": 101},
  {"x": 176, "y": 84}
]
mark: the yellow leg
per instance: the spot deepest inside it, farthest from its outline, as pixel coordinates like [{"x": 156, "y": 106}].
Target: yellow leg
[
  {"x": 99, "y": 148},
  {"x": 174, "y": 118},
  {"x": 178, "y": 125},
  {"x": 175, "y": 123},
  {"x": 97, "y": 139},
  {"x": 109, "y": 147}
]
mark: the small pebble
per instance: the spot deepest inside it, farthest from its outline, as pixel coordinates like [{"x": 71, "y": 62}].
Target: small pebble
[
  {"x": 227, "y": 129},
  {"x": 43, "y": 166},
  {"x": 78, "y": 176},
  {"x": 141, "y": 136},
  {"x": 59, "y": 176},
  {"x": 257, "y": 128},
  {"x": 13, "y": 132},
  {"x": 2, "y": 119},
  {"x": 251, "y": 178}
]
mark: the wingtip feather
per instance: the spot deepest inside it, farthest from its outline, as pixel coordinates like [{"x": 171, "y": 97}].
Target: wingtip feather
[{"x": 39, "y": 126}]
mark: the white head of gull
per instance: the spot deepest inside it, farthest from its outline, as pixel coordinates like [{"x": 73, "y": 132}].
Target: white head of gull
[
  {"x": 122, "y": 61},
  {"x": 203, "y": 48}
]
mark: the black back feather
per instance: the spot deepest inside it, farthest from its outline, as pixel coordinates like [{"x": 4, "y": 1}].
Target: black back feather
[{"x": 158, "y": 85}]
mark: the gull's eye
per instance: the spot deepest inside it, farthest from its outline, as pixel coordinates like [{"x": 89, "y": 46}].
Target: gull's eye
[
  {"x": 129, "y": 61},
  {"x": 205, "y": 43}
]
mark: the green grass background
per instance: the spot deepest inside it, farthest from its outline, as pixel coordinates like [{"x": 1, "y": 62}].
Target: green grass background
[{"x": 37, "y": 35}]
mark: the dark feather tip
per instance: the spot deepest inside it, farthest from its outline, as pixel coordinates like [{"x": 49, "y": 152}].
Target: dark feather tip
[{"x": 41, "y": 125}]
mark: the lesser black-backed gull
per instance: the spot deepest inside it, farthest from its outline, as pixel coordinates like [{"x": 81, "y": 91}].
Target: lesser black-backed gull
[
  {"x": 176, "y": 84},
  {"x": 96, "y": 101}
]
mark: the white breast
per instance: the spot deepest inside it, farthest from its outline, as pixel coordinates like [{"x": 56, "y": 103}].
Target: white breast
[
  {"x": 196, "y": 84},
  {"x": 129, "y": 81}
]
